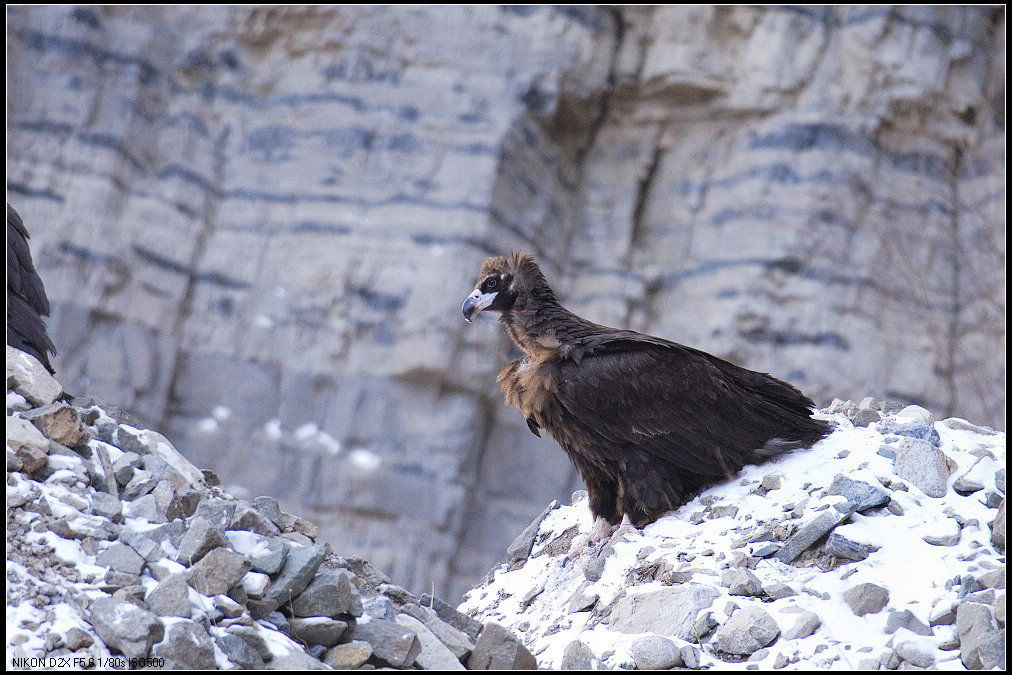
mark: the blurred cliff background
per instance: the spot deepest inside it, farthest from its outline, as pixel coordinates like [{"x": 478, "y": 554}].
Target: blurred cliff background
[{"x": 257, "y": 225}]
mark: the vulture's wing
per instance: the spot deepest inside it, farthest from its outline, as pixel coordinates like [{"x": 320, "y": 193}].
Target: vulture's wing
[
  {"x": 695, "y": 411},
  {"x": 26, "y": 296}
]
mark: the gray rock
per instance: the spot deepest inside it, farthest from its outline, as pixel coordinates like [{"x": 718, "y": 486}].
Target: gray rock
[
  {"x": 924, "y": 465},
  {"x": 29, "y": 445},
  {"x": 145, "y": 508},
  {"x": 218, "y": 512},
  {"x": 654, "y": 652},
  {"x": 748, "y": 630},
  {"x": 809, "y": 533},
  {"x": 173, "y": 531},
  {"x": 451, "y": 616},
  {"x": 667, "y": 611},
  {"x": 842, "y": 547},
  {"x": 692, "y": 657},
  {"x": 704, "y": 624},
  {"x": 133, "y": 594},
  {"x": 269, "y": 508},
  {"x": 944, "y": 614},
  {"x": 863, "y": 495},
  {"x": 991, "y": 649},
  {"x": 595, "y": 568},
  {"x": 253, "y": 638},
  {"x": 145, "y": 547},
  {"x": 724, "y": 511},
  {"x": 906, "y": 619},
  {"x": 766, "y": 551},
  {"x": 296, "y": 660},
  {"x": 393, "y": 644},
  {"x": 186, "y": 646},
  {"x": 306, "y": 528},
  {"x": 250, "y": 519},
  {"x": 378, "y": 607},
  {"x": 240, "y": 652},
  {"x": 917, "y": 429},
  {"x": 806, "y": 624},
  {"x": 743, "y": 582},
  {"x": 280, "y": 622},
  {"x": 299, "y": 569},
  {"x": 171, "y": 597},
  {"x": 229, "y": 608},
  {"x": 124, "y": 627},
  {"x": 129, "y": 440},
  {"x": 434, "y": 654},
  {"x": 141, "y": 483},
  {"x": 459, "y": 644},
  {"x": 318, "y": 630},
  {"x": 985, "y": 597},
  {"x": 168, "y": 504},
  {"x": 116, "y": 580},
  {"x": 218, "y": 571},
  {"x": 889, "y": 660},
  {"x": 993, "y": 579},
  {"x": 121, "y": 558},
  {"x": 398, "y": 594},
  {"x": 887, "y": 452},
  {"x": 965, "y": 486},
  {"x": 944, "y": 538},
  {"x": 269, "y": 558},
  {"x": 350, "y": 655},
  {"x": 915, "y": 654},
  {"x": 124, "y": 467},
  {"x": 972, "y": 621},
  {"x": 498, "y": 648},
  {"x": 866, "y": 598},
  {"x": 582, "y": 599},
  {"x": 521, "y": 547},
  {"x": 28, "y": 377},
  {"x": 333, "y": 593},
  {"x": 81, "y": 527},
  {"x": 770, "y": 482},
  {"x": 578, "y": 656},
  {"x": 863, "y": 417},
  {"x": 14, "y": 463},
  {"x": 200, "y": 538},
  {"x": 77, "y": 639},
  {"x": 187, "y": 500},
  {"x": 162, "y": 569},
  {"x": 105, "y": 505}
]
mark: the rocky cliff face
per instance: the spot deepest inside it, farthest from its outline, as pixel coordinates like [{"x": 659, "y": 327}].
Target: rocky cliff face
[{"x": 248, "y": 214}]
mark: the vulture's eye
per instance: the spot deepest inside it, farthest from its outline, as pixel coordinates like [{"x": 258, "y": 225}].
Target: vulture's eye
[{"x": 491, "y": 283}]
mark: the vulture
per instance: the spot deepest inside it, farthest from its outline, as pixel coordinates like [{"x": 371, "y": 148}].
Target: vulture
[
  {"x": 647, "y": 422},
  {"x": 26, "y": 296}
]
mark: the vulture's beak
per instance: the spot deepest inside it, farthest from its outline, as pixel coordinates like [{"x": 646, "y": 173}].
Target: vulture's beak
[{"x": 476, "y": 302}]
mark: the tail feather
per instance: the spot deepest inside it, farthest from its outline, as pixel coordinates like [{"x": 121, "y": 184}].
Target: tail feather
[{"x": 26, "y": 296}]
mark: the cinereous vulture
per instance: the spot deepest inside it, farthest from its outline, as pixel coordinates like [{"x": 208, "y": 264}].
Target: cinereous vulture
[
  {"x": 26, "y": 296},
  {"x": 647, "y": 422}
]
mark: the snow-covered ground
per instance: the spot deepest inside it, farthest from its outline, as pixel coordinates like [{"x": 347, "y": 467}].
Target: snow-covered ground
[{"x": 550, "y": 598}]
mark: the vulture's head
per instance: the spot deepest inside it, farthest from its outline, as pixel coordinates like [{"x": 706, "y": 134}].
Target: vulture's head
[{"x": 508, "y": 283}]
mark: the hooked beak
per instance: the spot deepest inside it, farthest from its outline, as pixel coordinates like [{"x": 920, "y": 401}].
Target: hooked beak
[{"x": 476, "y": 302}]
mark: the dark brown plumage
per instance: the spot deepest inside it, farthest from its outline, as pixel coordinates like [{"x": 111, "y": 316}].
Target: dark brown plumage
[
  {"x": 26, "y": 296},
  {"x": 647, "y": 422}
]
